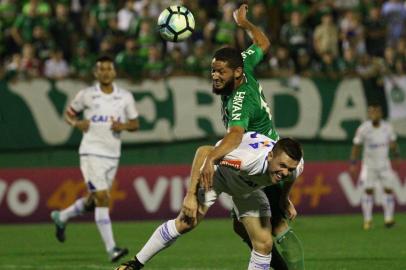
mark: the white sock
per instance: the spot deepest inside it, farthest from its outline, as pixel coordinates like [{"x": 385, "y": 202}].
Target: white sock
[
  {"x": 367, "y": 204},
  {"x": 102, "y": 218},
  {"x": 259, "y": 261},
  {"x": 164, "y": 236},
  {"x": 76, "y": 209},
  {"x": 388, "y": 205}
]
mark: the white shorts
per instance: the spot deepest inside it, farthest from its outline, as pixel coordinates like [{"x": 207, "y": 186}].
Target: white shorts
[
  {"x": 370, "y": 177},
  {"x": 248, "y": 201},
  {"x": 98, "y": 172}
]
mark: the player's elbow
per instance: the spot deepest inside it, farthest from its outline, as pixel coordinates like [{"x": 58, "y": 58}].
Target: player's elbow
[{"x": 265, "y": 45}]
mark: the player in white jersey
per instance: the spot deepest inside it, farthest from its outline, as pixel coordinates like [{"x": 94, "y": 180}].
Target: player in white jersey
[
  {"x": 107, "y": 111},
  {"x": 377, "y": 137},
  {"x": 257, "y": 162}
]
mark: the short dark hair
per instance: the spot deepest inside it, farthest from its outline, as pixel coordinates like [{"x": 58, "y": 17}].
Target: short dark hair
[
  {"x": 290, "y": 146},
  {"x": 230, "y": 55},
  {"x": 105, "y": 58}
]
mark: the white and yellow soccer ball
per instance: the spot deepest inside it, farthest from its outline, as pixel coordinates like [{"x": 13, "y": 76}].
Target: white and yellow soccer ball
[{"x": 176, "y": 23}]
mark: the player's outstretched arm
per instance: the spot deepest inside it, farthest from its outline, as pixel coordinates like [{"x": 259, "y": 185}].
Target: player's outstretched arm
[
  {"x": 190, "y": 205},
  {"x": 231, "y": 141},
  {"x": 355, "y": 152},
  {"x": 394, "y": 149},
  {"x": 72, "y": 120},
  {"x": 258, "y": 37},
  {"x": 131, "y": 125}
]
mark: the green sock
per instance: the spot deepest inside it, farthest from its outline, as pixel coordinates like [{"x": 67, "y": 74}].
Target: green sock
[{"x": 291, "y": 249}]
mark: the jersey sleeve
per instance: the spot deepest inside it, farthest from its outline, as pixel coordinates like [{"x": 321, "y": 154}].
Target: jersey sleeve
[
  {"x": 131, "y": 109},
  {"x": 251, "y": 57},
  {"x": 359, "y": 135},
  {"x": 78, "y": 103},
  {"x": 240, "y": 111}
]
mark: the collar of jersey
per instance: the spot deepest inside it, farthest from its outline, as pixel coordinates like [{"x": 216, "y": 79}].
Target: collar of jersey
[{"x": 99, "y": 89}]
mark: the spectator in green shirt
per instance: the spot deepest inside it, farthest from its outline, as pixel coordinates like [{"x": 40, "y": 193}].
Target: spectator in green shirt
[
  {"x": 23, "y": 27},
  {"x": 129, "y": 64},
  {"x": 290, "y": 6},
  {"x": 8, "y": 12},
  {"x": 42, "y": 8},
  {"x": 82, "y": 63},
  {"x": 348, "y": 63},
  {"x": 295, "y": 35},
  {"x": 43, "y": 43},
  {"x": 63, "y": 30},
  {"x": 155, "y": 67},
  {"x": 146, "y": 37},
  {"x": 198, "y": 61},
  {"x": 102, "y": 18}
]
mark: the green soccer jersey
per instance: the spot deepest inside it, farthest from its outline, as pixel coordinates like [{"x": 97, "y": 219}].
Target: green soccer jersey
[{"x": 246, "y": 106}]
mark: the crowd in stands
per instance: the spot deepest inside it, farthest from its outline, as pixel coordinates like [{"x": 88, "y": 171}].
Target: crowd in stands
[{"x": 329, "y": 38}]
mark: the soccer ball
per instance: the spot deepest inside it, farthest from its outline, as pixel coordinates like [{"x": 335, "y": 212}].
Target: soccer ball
[{"x": 176, "y": 23}]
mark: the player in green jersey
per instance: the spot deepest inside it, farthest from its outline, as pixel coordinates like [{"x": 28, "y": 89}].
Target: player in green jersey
[{"x": 244, "y": 109}]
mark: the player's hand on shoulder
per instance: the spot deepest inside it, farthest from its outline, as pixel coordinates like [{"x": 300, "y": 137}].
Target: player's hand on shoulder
[
  {"x": 240, "y": 15},
  {"x": 82, "y": 125}
]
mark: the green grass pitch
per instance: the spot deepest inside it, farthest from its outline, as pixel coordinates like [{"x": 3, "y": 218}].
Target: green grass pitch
[{"x": 330, "y": 242}]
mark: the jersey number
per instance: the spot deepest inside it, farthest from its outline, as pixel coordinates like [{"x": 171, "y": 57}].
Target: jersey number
[{"x": 264, "y": 105}]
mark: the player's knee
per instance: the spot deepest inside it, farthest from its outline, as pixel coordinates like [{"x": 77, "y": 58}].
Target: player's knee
[
  {"x": 263, "y": 246},
  {"x": 388, "y": 190},
  {"x": 369, "y": 191},
  {"x": 101, "y": 198}
]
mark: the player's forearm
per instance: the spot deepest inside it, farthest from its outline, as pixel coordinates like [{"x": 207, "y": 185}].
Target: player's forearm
[
  {"x": 394, "y": 149},
  {"x": 355, "y": 151},
  {"x": 193, "y": 186},
  {"x": 258, "y": 37},
  {"x": 228, "y": 144},
  {"x": 200, "y": 156},
  {"x": 132, "y": 125},
  {"x": 71, "y": 119}
]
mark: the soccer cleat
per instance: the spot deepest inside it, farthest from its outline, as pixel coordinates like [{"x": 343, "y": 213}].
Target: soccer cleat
[
  {"x": 116, "y": 253},
  {"x": 367, "y": 225},
  {"x": 133, "y": 264},
  {"x": 389, "y": 224},
  {"x": 59, "y": 226}
]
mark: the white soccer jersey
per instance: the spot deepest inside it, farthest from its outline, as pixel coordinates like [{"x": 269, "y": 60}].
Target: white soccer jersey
[
  {"x": 375, "y": 141},
  {"x": 100, "y": 109},
  {"x": 250, "y": 158}
]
